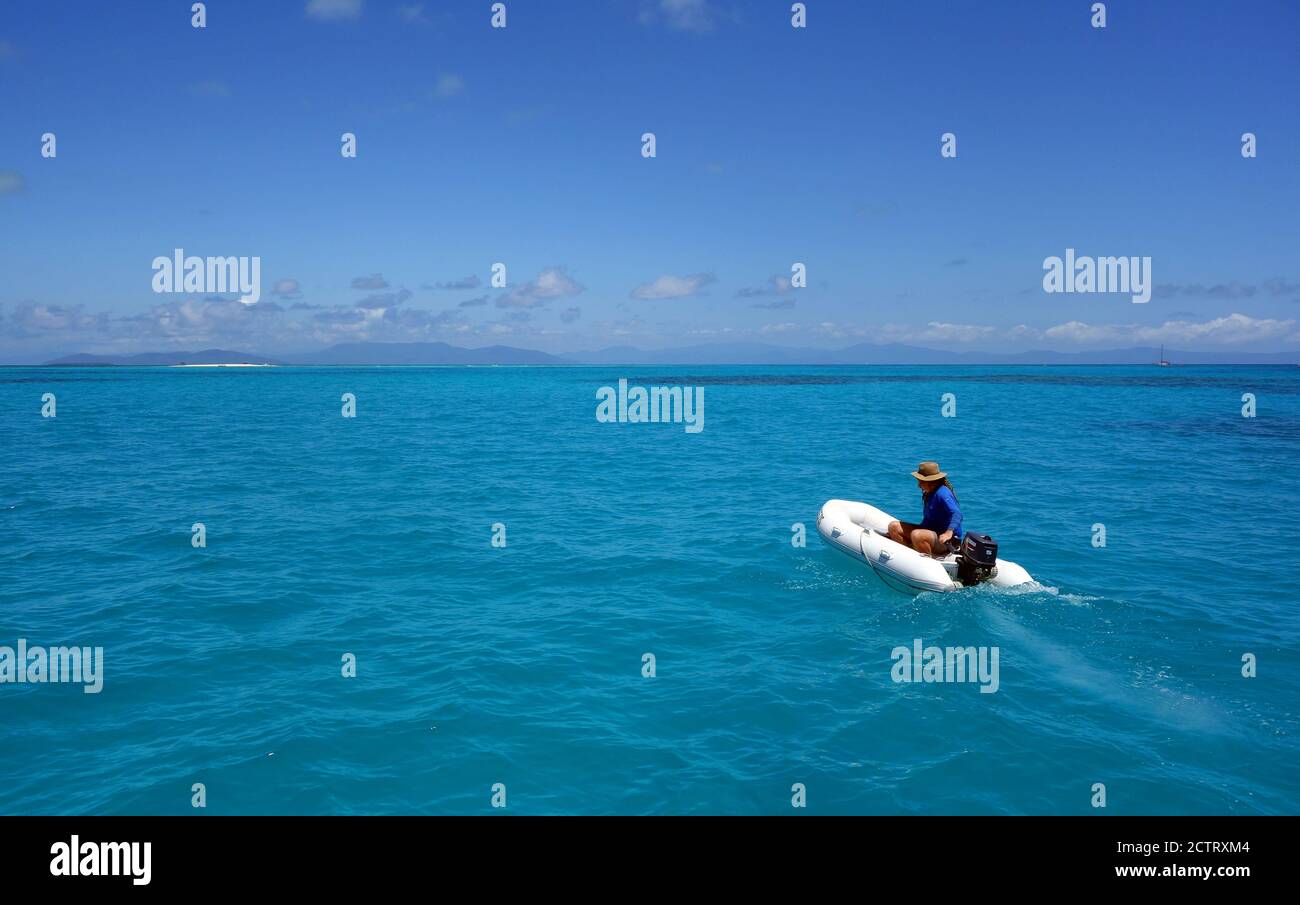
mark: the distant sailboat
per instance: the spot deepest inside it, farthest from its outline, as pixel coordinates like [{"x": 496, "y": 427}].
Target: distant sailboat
[{"x": 1163, "y": 362}]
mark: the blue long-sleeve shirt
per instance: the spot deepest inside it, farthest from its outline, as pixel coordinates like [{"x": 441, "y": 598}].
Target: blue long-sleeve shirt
[{"x": 942, "y": 513}]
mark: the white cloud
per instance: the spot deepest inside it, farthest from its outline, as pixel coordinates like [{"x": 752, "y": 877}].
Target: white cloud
[
  {"x": 683, "y": 15},
  {"x": 470, "y": 282},
  {"x": 775, "y": 304},
  {"x": 199, "y": 322},
  {"x": 961, "y": 333},
  {"x": 11, "y": 182},
  {"x": 194, "y": 322},
  {"x": 286, "y": 289},
  {"x": 1281, "y": 286},
  {"x": 413, "y": 14},
  {"x": 673, "y": 287},
  {"x": 551, "y": 283},
  {"x": 30, "y": 319},
  {"x": 1233, "y": 329},
  {"x": 711, "y": 331},
  {"x": 779, "y": 284},
  {"x": 333, "y": 10},
  {"x": 833, "y": 330},
  {"x": 448, "y": 86},
  {"x": 1079, "y": 332},
  {"x": 381, "y": 301},
  {"x": 933, "y": 332}
]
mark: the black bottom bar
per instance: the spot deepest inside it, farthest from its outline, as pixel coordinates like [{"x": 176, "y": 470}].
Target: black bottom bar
[{"x": 367, "y": 853}]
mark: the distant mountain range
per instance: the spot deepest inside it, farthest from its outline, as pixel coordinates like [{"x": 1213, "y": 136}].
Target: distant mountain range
[
  {"x": 720, "y": 353},
  {"x": 342, "y": 354},
  {"x": 425, "y": 354},
  {"x": 898, "y": 354},
  {"x": 163, "y": 359}
]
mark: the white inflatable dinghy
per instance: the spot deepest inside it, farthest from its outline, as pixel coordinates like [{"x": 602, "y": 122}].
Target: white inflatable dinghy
[{"x": 862, "y": 531}]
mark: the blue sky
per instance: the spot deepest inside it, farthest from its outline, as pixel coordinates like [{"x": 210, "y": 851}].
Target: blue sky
[{"x": 522, "y": 145}]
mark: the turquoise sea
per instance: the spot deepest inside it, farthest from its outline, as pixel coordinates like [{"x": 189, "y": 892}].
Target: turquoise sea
[{"x": 522, "y": 665}]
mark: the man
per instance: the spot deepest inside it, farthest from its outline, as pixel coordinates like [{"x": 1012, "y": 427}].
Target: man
[{"x": 940, "y": 530}]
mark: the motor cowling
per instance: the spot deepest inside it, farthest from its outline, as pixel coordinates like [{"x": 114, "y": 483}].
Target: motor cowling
[{"x": 977, "y": 560}]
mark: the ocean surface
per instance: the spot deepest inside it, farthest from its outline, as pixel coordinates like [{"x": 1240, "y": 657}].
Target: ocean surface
[{"x": 522, "y": 664}]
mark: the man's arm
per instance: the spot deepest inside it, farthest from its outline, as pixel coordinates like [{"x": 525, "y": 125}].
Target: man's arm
[{"x": 954, "y": 518}]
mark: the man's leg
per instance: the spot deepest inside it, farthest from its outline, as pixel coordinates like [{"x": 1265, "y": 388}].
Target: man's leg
[
  {"x": 901, "y": 532},
  {"x": 924, "y": 541}
]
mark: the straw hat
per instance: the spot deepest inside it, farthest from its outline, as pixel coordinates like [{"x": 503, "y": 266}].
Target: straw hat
[{"x": 929, "y": 471}]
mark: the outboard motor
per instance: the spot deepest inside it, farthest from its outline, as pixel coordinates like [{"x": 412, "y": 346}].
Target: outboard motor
[{"x": 977, "y": 560}]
